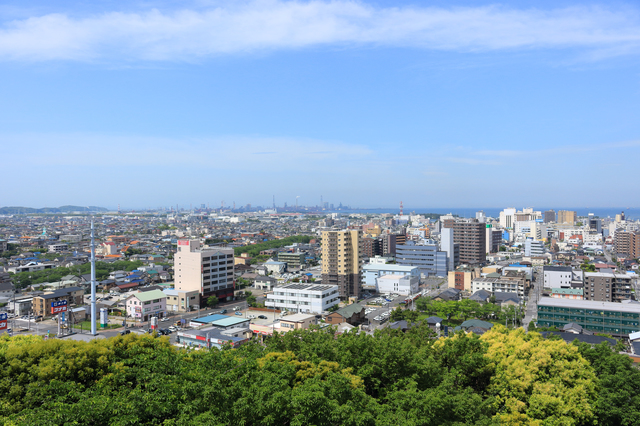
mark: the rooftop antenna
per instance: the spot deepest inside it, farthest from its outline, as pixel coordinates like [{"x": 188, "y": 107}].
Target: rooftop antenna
[{"x": 93, "y": 282}]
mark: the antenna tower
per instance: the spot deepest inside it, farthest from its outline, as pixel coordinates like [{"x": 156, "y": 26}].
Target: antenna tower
[
  {"x": 401, "y": 210},
  {"x": 93, "y": 282}
]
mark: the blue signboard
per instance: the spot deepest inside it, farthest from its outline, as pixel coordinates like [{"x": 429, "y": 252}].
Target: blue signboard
[
  {"x": 3, "y": 316},
  {"x": 59, "y": 306}
]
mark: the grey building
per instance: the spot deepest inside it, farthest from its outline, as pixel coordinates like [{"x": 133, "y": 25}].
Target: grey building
[{"x": 425, "y": 256}]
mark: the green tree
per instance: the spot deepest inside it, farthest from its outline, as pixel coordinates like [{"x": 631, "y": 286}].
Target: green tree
[
  {"x": 212, "y": 301},
  {"x": 397, "y": 314}
]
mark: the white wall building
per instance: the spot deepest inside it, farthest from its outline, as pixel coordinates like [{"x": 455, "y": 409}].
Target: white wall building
[
  {"x": 207, "y": 270},
  {"x": 560, "y": 276},
  {"x": 58, "y": 247},
  {"x": 370, "y": 273},
  {"x": 533, "y": 248},
  {"x": 404, "y": 285},
  {"x": 303, "y": 298}
]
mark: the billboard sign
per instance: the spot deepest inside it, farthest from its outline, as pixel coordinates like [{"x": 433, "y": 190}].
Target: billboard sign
[
  {"x": 59, "y": 306},
  {"x": 3, "y": 321},
  {"x": 183, "y": 242}
]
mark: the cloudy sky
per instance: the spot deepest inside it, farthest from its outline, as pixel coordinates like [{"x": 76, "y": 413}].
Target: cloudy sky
[{"x": 437, "y": 104}]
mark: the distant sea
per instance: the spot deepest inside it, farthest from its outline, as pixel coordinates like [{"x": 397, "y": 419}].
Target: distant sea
[{"x": 630, "y": 213}]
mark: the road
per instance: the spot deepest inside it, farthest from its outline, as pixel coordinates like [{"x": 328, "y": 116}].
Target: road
[{"x": 535, "y": 294}]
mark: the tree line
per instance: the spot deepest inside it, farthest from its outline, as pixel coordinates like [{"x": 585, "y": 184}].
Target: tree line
[
  {"x": 315, "y": 377},
  {"x": 255, "y": 249}
]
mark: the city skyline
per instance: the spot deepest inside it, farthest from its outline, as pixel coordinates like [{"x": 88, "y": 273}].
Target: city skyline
[{"x": 366, "y": 103}]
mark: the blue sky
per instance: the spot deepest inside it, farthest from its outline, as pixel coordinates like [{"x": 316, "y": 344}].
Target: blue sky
[{"x": 437, "y": 104}]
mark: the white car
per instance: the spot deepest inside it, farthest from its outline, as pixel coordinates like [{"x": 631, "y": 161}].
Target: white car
[{"x": 164, "y": 319}]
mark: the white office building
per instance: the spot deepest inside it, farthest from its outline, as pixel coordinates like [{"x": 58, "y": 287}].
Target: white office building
[
  {"x": 404, "y": 285},
  {"x": 561, "y": 276},
  {"x": 208, "y": 271},
  {"x": 370, "y": 273},
  {"x": 533, "y": 248},
  {"x": 303, "y": 298}
]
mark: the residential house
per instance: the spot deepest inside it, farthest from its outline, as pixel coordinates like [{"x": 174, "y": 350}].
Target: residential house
[{"x": 352, "y": 314}]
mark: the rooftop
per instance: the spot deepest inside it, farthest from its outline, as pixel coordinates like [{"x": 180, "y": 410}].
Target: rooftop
[{"x": 589, "y": 304}]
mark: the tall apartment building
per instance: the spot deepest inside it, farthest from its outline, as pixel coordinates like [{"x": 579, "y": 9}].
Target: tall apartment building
[
  {"x": 342, "y": 261},
  {"x": 447, "y": 245},
  {"x": 627, "y": 243},
  {"x": 470, "y": 235},
  {"x": 493, "y": 239},
  {"x": 206, "y": 270},
  {"x": 567, "y": 216},
  {"x": 425, "y": 255},
  {"x": 549, "y": 216},
  {"x": 607, "y": 287},
  {"x": 372, "y": 247}
]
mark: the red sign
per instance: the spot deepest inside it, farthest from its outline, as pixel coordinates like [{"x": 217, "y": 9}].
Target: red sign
[
  {"x": 3, "y": 325},
  {"x": 57, "y": 307},
  {"x": 201, "y": 338},
  {"x": 183, "y": 242}
]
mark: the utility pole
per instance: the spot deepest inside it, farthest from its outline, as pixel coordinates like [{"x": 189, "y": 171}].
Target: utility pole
[{"x": 93, "y": 282}]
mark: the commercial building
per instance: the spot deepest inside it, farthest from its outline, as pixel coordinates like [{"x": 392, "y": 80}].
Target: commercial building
[
  {"x": 607, "y": 287},
  {"x": 41, "y": 304},
  {"x": 211, "y": 338},
  {"x": 424, "y": 255},
  {"x": 533, "y": 248},
  {"x": 567, "y": 216},
  {"x": 209, "y": 271},
  {"x": 549, "y": 216},
  {"x": 404, "y": 285},
  {"x": 372, "y": 247},
  {"x": 303, "y": 298},
  {"x": 470, "y": 235},
  {"x": 181, "y": 300},
  {"x": 146, "y": 304},
  {"x": 567, "y": 293},
  {"x": 342, "y": 261},
  {"x": 372, "y": 272},
  {"x": 618, "y": 319}
]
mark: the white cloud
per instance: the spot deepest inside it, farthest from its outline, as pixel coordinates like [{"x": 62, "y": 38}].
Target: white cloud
[{"x": 260, "y": 25}]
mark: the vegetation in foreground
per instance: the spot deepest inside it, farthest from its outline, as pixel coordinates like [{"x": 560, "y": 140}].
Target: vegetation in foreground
[{"x": 317, "y": 378}]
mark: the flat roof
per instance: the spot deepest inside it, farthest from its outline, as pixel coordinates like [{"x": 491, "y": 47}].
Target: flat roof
[
  {"x": 297, "y": 317},
  {"x": 229, "y": 321},
  {"x": 210, "y": 318},
  {"x": 310, "y": 287},
  {"x": 589, "y": 304},
  {"x": 558, "y": 268}
]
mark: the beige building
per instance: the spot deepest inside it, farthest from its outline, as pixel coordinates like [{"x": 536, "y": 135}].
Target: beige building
[
  {"x": 566, "y": 216},
  {"x": 298, "y": 321},
  {"x": 460, "y": 279},
  {"x": 341, "y": 261},
  {"x": 209, "y": 271},
  {"x": 182, "y": 301}
]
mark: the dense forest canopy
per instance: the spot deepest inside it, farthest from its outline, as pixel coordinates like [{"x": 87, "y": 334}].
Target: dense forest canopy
[{"x": 318, "y": 378}]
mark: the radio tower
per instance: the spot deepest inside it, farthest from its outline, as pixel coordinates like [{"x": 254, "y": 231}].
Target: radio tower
[
  {"x": 274, "y": 202},
  {"x": 401, "y": 213}
]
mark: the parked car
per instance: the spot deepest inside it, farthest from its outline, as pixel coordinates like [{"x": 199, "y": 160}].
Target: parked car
[
  {"x": 236, "y": 308},
  {"x": 224, "y": 311},
  {"x": 164, "y": 319},
  {"x": 262, "y": 316},
  {"x": 123, "y": 332},
  {"x": 239, "y": 313},
  {"x": 172, "y": 328}
]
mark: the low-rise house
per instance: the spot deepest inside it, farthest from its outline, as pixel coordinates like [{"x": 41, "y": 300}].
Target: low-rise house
[
  {"x": 352, "y": 314},
  {"x": 298, "y": 321}
]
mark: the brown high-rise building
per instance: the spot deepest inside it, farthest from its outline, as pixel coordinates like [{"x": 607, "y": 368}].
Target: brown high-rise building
[
  {"x": 567, "y": 216},
  {"x": 470, "y": 235},
  {"x": 627, "y": 243},
  {"x": 371, "y": 247},
  {"x": 341, "y": 261},
  {"x": 604, "y": 287}
]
